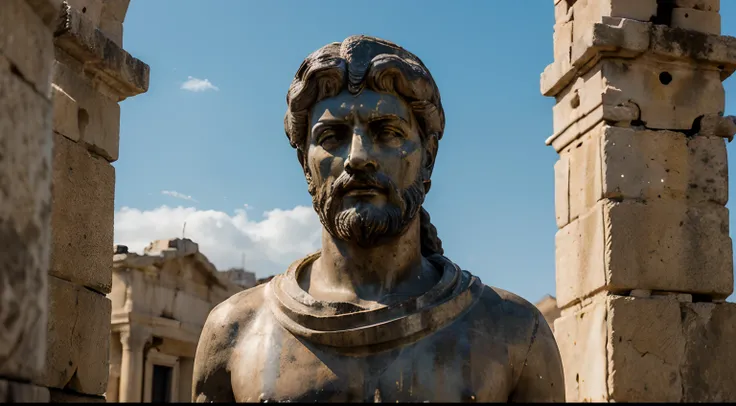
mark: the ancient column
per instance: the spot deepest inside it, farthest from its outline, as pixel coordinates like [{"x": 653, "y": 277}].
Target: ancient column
[
  {"x": 131, "y": 367},
  {"x": 643, "y": 255},
  {"x": 92, "y": 74},
  {"x": 26, "y": 62}
]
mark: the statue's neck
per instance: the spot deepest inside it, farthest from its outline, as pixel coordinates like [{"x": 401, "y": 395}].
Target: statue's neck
[{"x": 371, "y": 276}]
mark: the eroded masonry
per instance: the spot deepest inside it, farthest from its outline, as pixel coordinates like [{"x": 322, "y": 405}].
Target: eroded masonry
[
  {"x": 56, "y": 268},
  {"x": 644, "y": 257}
]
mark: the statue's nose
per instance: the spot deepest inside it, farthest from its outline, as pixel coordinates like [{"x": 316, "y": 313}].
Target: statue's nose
[{"x": 359, "y": 156}]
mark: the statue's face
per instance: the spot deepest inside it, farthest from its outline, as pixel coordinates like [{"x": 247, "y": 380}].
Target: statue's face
[{"x": 365, "y": 157}]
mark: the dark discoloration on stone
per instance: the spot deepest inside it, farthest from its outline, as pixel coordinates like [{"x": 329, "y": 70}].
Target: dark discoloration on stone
[
  {"x": 378, "y": 314},
  {"x": 25, "y": 185}
]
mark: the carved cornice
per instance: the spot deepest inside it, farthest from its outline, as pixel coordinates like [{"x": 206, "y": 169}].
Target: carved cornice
[
  {"x": 101, "y": 57},
  {"x": 626, "y": 38}
]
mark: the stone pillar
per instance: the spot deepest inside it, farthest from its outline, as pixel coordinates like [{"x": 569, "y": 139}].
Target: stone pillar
[
  {"x": 643, "y": 255},
  {"x": 131, "y": 367},
  {"x": 92, "y": 74},
  {"x": 26, "y": 62}
]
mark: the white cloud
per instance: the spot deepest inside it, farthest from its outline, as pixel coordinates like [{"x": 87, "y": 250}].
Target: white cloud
[
  {"x": 270, "y": 244},
  {"x": 198, "y": 85},
  {"x": 174, "y": 193}
]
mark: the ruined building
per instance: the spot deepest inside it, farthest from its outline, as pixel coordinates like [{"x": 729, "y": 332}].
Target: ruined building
[
  {"x": 644, "y": 257},
  {"x": 643, "y": 254},
  {"x": 160, "y": 301}
]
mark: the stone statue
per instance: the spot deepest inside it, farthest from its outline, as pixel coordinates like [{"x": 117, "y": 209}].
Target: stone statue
[{"x": 378, "y": 314}]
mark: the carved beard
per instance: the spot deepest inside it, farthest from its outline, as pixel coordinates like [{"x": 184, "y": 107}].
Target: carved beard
[{"x": 364, "y": 223}]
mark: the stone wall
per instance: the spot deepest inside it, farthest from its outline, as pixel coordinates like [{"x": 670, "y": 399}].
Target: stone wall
[
  {"x": 62, "y": 74},
  {"x": 643, "y": 254},
  {"x": 26, "y": 62}
]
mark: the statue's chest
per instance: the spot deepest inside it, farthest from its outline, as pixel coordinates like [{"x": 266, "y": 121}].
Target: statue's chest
[{"x": 273, "y": 365}]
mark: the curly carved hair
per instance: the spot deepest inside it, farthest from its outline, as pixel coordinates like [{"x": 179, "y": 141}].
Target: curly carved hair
[{"x": 361, "y": 62}]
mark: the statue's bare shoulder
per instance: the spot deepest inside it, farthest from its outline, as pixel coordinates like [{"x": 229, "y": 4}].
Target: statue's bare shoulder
[
  {"x": 532, "y": 348},
  {"x": 226, "y": 321}
]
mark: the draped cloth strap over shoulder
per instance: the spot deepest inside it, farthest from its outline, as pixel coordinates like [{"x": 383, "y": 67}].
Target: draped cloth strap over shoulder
[{"x": 346, "y": 325}]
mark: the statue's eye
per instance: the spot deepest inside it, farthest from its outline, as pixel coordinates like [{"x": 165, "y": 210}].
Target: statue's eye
[
  {"x": 328, "y": 139},
  {"x": 390, "y": 134}
]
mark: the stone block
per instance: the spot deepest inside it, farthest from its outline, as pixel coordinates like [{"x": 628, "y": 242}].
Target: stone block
[
  {"x": 103, "y": 59},
  {"x": 25, "y": 195},
  {"x": 585, "y": 173},
  {"x": 90, "y": 9},
  {"x": 645, "y": 351},
  {"x": 710, "y": 352},
  {"x": 563, "y": 12},
  {"x": 97, "y": 117},
  {"x": 702, "y": 5},
  {"x": 708, "y": 22},
  {"x": 562, "y": 191},
  {"x": 82, "y": 216},
  {"x": 664, "y": 244},
  {"x": 27, "y": 42},
  {"x": 650, "y": 165},
  {"x": 627, "y": 349},
  {"x": 626, "y": 38},
  {"x": 581, "y": 338},
  {"x": 117, "y": 9},
  {"x": 643, "y": 165},
  {"x": 588, "y": 12},
  {"x": 62, "y": 396},
  {"x": 16, "y": 392},
  {"x": 669, "y": 95},
  {"x": 47, "y": 10},
  {"x": 113, "y": 29},
  {"x": 66, "y": 113},
  {"x": 78, "y": 339},
  {"x": 562, "y": 40}
]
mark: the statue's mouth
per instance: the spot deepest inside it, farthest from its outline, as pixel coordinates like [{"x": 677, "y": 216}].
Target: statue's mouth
[
  {"x": 363, "y": 191},
  {"x": 357, "y": 187}
]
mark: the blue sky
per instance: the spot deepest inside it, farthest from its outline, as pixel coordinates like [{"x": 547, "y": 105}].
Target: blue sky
[{"x": 219, "y": 160}]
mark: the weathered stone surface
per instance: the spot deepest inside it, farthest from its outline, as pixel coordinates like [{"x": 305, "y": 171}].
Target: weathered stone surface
[
  {"x": 642, "y": 165},
  {"x": 581, "y": 338},
  {"x": 66, "y": 113},
  {"x": 646, "y": 165},
  {"x": 63, "y": 396},
  {"x": 82, "y": 216},
  {"x": 81, "y": 39},
  {"x": 710, "y": 352},
  {"x": 78, "y": 339},
  {"x": 664, "y": 244},
  {"x": 703, "y": 5},
  {"x": 47, "y": 10},
  {"x": 113, "y": 29},
  {"x": 588, "y": 12},
  {"x": 96, "y": 121},
  {"x": 16, "y": 392},
  {"x": 562, "y": 191},
  {"x": 620, "y": 37},
  {"x": 628, "y": 349},
  {"x": 25, "y": 194},
  {"x": 26, "y": 41},
  {"x": 117, "y": 9},
  {"x": 703, "y": 21},
  {"x": 669, "y": 95},
  {"x": 563, "y": 42},
  {"x": 646, "y": 351},
  {"x": 90, "y": 9}
]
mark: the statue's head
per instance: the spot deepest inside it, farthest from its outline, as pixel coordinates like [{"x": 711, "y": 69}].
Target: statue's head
[{"x": 365, "y": 117}]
